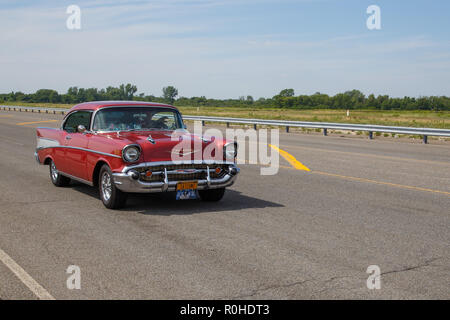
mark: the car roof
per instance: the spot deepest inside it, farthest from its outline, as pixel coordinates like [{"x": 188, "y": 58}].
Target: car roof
[{"x": 95, "y": 105}]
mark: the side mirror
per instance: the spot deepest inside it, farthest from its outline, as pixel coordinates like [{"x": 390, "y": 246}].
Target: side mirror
[{"x": 81, "y": 128}]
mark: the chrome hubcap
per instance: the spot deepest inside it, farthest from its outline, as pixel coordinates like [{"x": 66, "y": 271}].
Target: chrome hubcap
[
  {"x": 53, "y": 171},
  {"x": 106, "y": 186}
]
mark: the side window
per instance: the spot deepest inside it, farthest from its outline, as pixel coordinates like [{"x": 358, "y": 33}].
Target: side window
[{"x": 77, "y": 118}]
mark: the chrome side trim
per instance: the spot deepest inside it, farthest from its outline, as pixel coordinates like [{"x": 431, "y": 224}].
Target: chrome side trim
[
  {"x": 76, "y": 178},
  {"x": 47, "y": 128},
  {"x": 82, "y": 149}
]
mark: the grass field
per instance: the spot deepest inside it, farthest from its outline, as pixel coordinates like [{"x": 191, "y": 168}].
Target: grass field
[{"x": 428, "y": 119}]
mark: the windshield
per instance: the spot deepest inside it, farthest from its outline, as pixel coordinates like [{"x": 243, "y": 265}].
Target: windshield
[{"x": 137, "y": 118}]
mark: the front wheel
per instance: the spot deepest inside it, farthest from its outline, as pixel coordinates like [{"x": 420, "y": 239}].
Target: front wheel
[
  {"x": 212, "y": 195},
  {"x": 57, "y": 178},
  {"x": 111, "y": 197}
]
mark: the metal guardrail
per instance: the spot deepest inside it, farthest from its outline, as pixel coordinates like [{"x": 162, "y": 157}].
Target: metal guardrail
[
  {"x": 325, "y": 126},
  {"x": 425, "y": 132},
  {"x": 34, "y": 109}
]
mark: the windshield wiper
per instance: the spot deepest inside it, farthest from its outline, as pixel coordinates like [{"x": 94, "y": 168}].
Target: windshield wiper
[
  {"x": 146, "y": 129},
  {"x": 157, "y": 129}
]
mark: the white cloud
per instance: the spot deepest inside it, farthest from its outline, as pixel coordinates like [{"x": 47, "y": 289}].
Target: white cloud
[{"x": 146, "y": 44}]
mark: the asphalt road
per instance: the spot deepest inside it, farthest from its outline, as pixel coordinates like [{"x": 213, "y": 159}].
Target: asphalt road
[{"x": 295, "y": 235}]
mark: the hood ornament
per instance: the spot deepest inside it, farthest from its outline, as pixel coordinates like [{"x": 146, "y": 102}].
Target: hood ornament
[
  {"x": 151, "y": 139},
  {"x": 182, "y": 153},
  {"x": 206, "y": 140}
]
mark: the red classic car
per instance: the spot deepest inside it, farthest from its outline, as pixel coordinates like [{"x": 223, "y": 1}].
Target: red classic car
[{"x": 126, "y": 147}]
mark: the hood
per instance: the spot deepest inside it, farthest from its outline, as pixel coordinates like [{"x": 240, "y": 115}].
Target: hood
[{"x": 171, "y": 145}]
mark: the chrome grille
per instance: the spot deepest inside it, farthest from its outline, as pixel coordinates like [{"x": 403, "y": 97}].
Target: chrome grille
[{"x": 158, "y": 172}]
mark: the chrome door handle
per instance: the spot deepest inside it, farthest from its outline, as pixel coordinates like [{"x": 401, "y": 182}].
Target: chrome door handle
[{"x": 68, "y": 137}]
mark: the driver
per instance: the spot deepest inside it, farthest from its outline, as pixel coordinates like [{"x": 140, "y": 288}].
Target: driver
[
  {"x": 161, "y": 123},
  {"x": 146, "y": 121}
]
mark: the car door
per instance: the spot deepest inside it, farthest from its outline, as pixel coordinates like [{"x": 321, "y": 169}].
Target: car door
[{"x": 76, "y": 144}]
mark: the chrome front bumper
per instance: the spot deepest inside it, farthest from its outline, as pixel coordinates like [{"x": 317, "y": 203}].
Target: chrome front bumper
[{"x": 125, "y": 182}]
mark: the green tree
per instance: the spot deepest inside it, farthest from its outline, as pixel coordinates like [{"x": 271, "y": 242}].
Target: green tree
[
  {"x": 46, "y": 95},
  {"x": 286, "y": 93},
  {"x": 169, "y": 94},
  {"x": 285, "y": 99},
  {"x": 127, "y": 91}
]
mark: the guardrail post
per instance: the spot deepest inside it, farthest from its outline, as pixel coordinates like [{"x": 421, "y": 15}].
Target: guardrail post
[
  {"x": 287, "y": 129},
  {"x": 370, "y": 135},
  {"x": 425, "y": 139},
  {"x": 325, "y": 131}
]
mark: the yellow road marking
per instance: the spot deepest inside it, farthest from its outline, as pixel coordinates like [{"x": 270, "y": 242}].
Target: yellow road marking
[
  {"x": 380, "y": 182},
  {"x": 364, "y": 154},
  {"x": 369, "y": 155},
  {"x": 299, "y": 166},
  {"x": 33, "y": 122},
  {"x": 402, "y": 186},
  {"x": 289, "y": 158},
  {"x": 5, "y": 116}
]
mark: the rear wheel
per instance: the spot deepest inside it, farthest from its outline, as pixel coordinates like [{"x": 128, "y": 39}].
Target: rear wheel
[
  {"x": 56, "y": 177},
  {"x": 212, "y": 195},
  {"x": 111, "y": 197}
]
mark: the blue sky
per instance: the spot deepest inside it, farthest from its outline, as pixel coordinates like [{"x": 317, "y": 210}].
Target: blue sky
[{"x": 228, "y": 48}]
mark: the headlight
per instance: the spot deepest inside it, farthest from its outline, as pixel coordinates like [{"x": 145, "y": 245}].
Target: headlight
[
  {"x": 230, "y": 151},
  {"x": 131, "y": 153}
]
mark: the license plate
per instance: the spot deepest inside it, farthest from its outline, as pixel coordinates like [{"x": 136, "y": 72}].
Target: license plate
[{"x": 187, "y": 190}]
